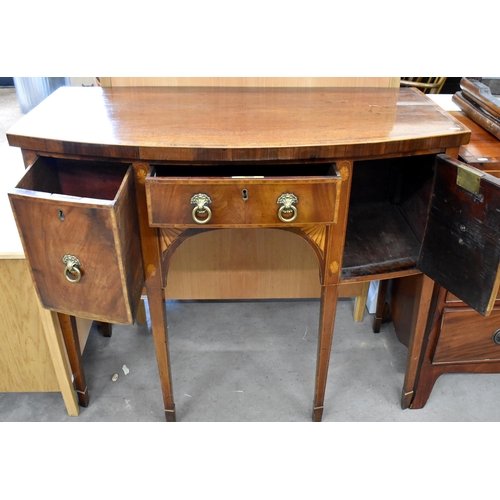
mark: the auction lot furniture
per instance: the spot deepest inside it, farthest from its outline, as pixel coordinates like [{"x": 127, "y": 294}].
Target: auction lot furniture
[
  {"x": 119, "y": 178},
  {"x": 33, "y": 356}
]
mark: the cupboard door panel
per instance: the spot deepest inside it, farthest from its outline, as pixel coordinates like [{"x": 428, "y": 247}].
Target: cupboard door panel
[{"x": 461, "y": 249}]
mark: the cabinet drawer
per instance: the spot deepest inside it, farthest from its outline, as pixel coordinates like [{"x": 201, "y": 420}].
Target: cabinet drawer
[
  {"x": 467, "y": 336},
  {"x": 248, "y": 199},
  {"x": 453, "y": 299},
  {"x": 85, "y": 210}
]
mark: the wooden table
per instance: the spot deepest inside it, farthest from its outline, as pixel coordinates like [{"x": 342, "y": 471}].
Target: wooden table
[{"x": 119, "y": 178}]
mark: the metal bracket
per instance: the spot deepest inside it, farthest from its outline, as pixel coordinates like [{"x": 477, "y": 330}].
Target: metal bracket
[{"x": 469, "y": 178}]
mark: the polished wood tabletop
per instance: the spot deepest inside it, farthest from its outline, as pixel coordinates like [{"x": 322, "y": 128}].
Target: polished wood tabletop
[
  {"x": 218, "y": 124},
  {"x": 483, "y": 151}
]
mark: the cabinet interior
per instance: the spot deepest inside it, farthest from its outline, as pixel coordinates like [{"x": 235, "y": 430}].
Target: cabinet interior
[
  {"x": 248, "y": 169},
  {"x": 84, "y": 179},
  {"x": 387, "y": 215}
]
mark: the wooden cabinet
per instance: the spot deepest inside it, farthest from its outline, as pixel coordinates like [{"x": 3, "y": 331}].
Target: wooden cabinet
[
  {"x": 424, "y": 217},
  {"x": 458, "y": 339},
  {"x": 466, "y": 337},
  {"x": 352, "y": 172}
]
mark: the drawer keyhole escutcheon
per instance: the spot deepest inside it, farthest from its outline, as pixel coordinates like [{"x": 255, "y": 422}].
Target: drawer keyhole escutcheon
[
  {"x": 496, "y": 337},
  {"x": 72, "y": 271},
  {"x": 287, "y": 201},
  {"x": 60, "y": 214},
  {"x": 201, "y": 202},
  {"x": 244, "y": 194}
]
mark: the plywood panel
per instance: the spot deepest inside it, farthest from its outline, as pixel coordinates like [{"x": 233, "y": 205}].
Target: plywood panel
[
  {"x": 248, "y": 264},
  {"x": 244, "y": 264},
  {"x": 32, "y": 355},
  {"x": 55, "y": 342},
  {"x": 11, "y": 162},
  {"x": 250, "y": 82},
  {"x": 25, "y": 361},
  {"x": 83, "y": 325}
]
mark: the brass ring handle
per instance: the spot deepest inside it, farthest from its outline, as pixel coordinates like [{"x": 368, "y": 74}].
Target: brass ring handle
[
  {"x": 292, "y": 208},
  {"x": 72, "y": 272},
  {"x": 496, "y": 337},
  {"x": 197, "y": 210},
  {"x": 201, "y": 202},
  {"x": 287, "y": 201}
]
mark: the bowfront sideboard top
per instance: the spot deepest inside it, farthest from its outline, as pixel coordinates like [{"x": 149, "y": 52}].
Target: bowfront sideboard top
[{"x": 236, "y": 124}]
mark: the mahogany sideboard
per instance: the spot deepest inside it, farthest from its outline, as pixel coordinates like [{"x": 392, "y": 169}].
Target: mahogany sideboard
[{"x": 117, "y": 179}]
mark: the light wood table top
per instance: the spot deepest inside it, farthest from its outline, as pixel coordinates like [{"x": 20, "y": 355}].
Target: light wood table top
[{"x": 11, "y": 163}]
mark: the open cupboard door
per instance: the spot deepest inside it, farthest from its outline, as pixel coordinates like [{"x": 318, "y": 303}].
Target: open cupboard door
[{"x": 461, "y": 245}]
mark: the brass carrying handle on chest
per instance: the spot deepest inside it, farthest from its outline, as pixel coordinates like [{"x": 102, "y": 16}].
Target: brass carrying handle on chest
[{"x": 72, "y": 270}]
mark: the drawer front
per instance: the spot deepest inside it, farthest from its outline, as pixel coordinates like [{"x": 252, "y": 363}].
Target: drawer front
[
  {"x": 242, "y": 202},
  {"x": 467, "y": 336},
  {"x": 453, "y": 299},
  {"x": 106, "y": 282}
]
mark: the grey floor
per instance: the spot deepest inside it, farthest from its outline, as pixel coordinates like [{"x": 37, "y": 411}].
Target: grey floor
[{"x": 251, "y": 361}]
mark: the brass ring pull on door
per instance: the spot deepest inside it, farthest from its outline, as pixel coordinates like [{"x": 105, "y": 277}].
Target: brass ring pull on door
[
  {"x": 72, "y": 271},
  {"x": 287, "y": 201},
  {"x": 201, "y": 202}
]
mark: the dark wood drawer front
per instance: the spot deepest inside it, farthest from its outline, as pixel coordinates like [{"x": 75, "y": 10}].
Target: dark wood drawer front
[
  {"x": 453, "y": 299},
  {"x": 102, "y": 233},
  {"x": 249, "y": 202},
  {"x": 467, "y": 336}
]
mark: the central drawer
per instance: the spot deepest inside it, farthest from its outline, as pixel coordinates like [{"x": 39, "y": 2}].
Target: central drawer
[{"x": 253, "y": 195}]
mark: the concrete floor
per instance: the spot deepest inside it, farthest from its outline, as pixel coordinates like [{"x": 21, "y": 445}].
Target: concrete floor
[{"x": 251, "y": 361}]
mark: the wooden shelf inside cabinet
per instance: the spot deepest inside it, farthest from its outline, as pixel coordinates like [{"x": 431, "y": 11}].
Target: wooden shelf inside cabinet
[
  {"x": 378, "y": 241},
  {"x": 387, "y": 215}
]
